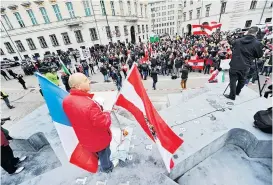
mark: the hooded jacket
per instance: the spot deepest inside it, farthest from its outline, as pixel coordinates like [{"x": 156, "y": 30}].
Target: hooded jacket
[{"x": 245, "y": 50}]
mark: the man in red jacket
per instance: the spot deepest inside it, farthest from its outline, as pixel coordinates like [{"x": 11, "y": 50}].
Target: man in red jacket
[{"x": 90, "y": 123}]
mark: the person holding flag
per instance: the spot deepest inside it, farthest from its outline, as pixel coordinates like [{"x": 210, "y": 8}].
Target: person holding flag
[{"x": 90, "y": 123}]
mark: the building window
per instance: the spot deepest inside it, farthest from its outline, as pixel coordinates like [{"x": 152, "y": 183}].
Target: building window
[
  {"x": 9, "y": 47},
  {"x": 190, "y": 15},
  {"x": 147, "y": 30},
  {"x": 78, "y": 35},
  {"x": 32, "y": 17},
  {"x": 54, "y": 40},
  {"x": 103, "y": 11},
  {"x": 57, "y": 12},
  {"x": 136, "y": 8},
  {"x": 223, "y": 7},
  {"x": 143, "y": 29},
  {"x": 5, "y": 17},
  {"x": 191, "y": 2},
  {"x": 93, "y": 34},
  {"x": 207, "y": 10},
  {"x": 44, "y": 14},
  {"x": 108, "y": 31},
  {"x": 129, "y": 7},
  {"x": 2, "y": 52},
  {"x": 141, "y": 10},
  {"x": 19, "y": 19},
  {"x": 185, "y": 3},
  {"x": 145, "y": 10},
  {"x": 70, "y": 9},
  {"x": 184, "y": 16},
  {"x": 138, "y": 29},
  {"x": 31, "y": 44},
  {"x": 86, "y": 8},
  {"x": 112, "y": 7},
  {"x": 267, "y": 20},
  {"x": 20, "y": 45},
  {"x": 117, "y": 31},
  {"x": 198, "y": 13},
  {"x": 42, "y": 42},
  {"x": 66, "y": 38},
  {"x": 121, "y": 8},
  {"x": 125, "y": 30},
  {"x": 253, "y": 4},
  {"x": 248, "y": 23}
]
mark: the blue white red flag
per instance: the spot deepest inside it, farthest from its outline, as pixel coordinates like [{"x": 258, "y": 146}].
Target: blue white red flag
[{"x": 76, "y": 154}]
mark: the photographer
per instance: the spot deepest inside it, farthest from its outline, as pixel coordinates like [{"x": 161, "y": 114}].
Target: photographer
[{"x": 245, "y": 50}]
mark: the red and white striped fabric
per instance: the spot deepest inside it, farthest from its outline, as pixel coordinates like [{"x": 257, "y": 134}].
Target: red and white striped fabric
[
  {"x": 215, "y": 25},
  {"x": 196, "y": 64},
  {"x": 201, "y": 29},
  {"x": 133, "y": 98}
]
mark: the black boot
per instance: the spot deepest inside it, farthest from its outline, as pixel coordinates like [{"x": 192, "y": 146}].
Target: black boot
[{"x": 229, "y": 97}]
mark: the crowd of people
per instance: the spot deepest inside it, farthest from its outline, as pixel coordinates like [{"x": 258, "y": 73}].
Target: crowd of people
[{"x": 168, "y": 57}]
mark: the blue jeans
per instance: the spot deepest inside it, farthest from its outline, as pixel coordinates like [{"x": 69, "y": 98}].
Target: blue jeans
[
  {"x": 86, "y": 72},
  {"x": 105, "y": 78},
  {"x": 119, "y": 84},
  {"x": 104, "y": 156},
  {"x": 145, "y": 74}
]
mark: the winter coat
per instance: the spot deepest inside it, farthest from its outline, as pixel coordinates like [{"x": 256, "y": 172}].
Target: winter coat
[
  {"x": 184, "y": 74},
  {"x": 90, "y": 123},
  {"x": 154, "y": 75},
  {"x": 245, "y": 50}
]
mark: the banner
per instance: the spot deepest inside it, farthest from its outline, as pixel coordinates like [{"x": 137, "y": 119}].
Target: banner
[
  {"x": 225, "y": 64},
  {"x": 196, "y": 64}
]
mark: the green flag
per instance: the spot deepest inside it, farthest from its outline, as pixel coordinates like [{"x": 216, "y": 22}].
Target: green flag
[
  {"x": 64, "y": 68},
  {"x": 154, "y": 38}
]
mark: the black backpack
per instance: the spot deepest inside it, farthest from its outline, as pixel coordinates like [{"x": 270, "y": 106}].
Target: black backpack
[{"x": 263, "y": 120}]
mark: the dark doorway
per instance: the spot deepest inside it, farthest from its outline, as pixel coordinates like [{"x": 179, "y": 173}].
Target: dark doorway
[
  {"x": 133, "y": 35},
  {"x": 16, "y": 58},
  {"x": 26, "y": 56},
  {"x": 189, "y": 29}
]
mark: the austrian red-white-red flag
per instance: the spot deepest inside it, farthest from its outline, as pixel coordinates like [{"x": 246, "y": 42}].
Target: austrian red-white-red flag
[
  {"x": 198, "y": 29},
  {"x": 215, "y": 25},
  {"x": 133, "y": 98}
]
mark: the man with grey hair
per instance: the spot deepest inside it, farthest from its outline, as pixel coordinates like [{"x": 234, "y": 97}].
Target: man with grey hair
[{"x": 244, "y": 51}]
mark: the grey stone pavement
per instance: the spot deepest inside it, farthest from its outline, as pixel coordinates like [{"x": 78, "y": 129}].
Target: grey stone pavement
[{"x": 28, "y": 102}]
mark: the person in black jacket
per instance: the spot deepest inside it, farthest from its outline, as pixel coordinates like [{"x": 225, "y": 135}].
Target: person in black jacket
[
  {"x": 245, "y": 50},
  {"x": 154, "y": 73},
  {"x": 4, "y": 74},
  {"x": 22, "y": 81},
  {"x": 184, "y": 76},
  {"x": 178, "y": 65}
]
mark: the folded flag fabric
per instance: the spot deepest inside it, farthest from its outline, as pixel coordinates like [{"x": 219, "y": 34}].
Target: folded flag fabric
[
  {"x": 76, "y": 154},
  {"x": 133, "y": 98}
]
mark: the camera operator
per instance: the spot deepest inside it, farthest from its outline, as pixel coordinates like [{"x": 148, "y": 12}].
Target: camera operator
[{"x": 245, "y": 50}]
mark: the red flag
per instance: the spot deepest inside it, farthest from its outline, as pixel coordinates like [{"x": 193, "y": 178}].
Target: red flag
[
  {"x": 196, "y": 64},
  {"x": 133, "y": 98}
]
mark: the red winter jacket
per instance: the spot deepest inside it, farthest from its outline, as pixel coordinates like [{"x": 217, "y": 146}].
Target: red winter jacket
[{"x": 90, "y": 123}]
